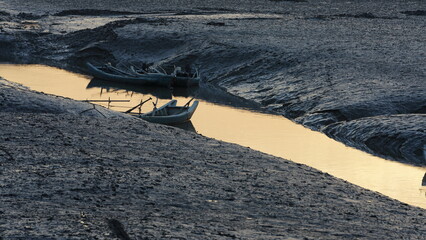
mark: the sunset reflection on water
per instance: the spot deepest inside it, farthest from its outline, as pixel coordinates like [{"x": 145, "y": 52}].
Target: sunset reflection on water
[{"x": 271, "y": 134}]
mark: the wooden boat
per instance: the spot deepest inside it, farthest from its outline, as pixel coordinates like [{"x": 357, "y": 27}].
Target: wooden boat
[
  {"x": 113, "y": 74},
  {"x": 185, "y": 79},
  {"x": 180, "y": 78},
  {"x": 176, "y": 79},
  {"x": 169, "y": 113}
]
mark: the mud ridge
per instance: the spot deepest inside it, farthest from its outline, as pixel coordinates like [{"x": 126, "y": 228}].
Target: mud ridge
[
  {"x": 415, "y": 13},
  {"x": 3, "y": 13},
  {"x": 94, "y": 12},
  {"x": 29, "y": 16},
  {"x": 378, "y": 136},
  {"x": 365, "y": 15}
]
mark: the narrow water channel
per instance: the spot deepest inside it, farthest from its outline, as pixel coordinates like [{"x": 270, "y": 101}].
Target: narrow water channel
[{"x": 271, "y": 134}]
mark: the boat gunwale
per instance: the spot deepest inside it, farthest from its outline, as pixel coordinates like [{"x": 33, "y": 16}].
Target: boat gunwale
[{"x": 159, "y": 79}]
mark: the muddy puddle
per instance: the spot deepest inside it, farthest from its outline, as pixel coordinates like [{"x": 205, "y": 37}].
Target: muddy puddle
[{"x": 264, "y": 132}]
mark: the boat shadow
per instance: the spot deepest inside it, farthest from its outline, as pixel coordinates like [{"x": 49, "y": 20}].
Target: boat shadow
[
  {"x": 204, "y": 91},
  {"x": 188, "y": 126},
  {"x": 161, "y": 93}
]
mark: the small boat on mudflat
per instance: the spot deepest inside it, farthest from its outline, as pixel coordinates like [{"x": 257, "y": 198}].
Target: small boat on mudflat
[
  {"x": 184, "y": 78},
  {"x": 169, "y": 113},
  {"x": 177, "y": 79}
]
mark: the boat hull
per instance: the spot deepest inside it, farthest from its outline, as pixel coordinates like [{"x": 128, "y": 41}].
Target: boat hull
[
  {"x": 150, "y": 79},
  {"x": 147, "y": 79},
  {"x": 156, "y": 116},
  {"x": 185, "y": 82}
]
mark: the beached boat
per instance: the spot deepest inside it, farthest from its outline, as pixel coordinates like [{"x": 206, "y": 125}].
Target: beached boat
[
  {"x": 110, "y": 73},
  {"x": 185, "y": 78},
  {"x": 169, "y": 113},
  {"x": 177, "y": 79}
]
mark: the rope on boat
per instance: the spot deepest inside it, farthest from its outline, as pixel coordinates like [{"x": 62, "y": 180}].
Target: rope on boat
[
  {"x": 187, "y": 104},
  {"x": 139, "y": 105}
]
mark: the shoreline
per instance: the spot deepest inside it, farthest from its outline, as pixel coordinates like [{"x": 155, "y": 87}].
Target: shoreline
[
  {"x": 370, "y": 118},
  {"x": 267, "y": 133},
  {"x": 70, "y": 175}
]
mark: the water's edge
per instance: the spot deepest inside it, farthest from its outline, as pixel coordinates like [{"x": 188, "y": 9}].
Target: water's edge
[
  {"x": 271, "y": 134},
  {"x": 382, "y": 116}
]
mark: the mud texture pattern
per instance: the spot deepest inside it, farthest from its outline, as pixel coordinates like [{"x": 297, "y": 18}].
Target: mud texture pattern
[
  {"x": 68, "y": 175},
  {"x": 318, "y": 63}
]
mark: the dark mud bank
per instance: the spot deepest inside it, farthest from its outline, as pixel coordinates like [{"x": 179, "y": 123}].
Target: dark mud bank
[
  {"x": 101, "y": 174},
  {"x": 365, "y": 87}
]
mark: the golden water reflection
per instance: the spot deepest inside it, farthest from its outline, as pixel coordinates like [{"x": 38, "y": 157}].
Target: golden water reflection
[{"x": 267, "y": 133}]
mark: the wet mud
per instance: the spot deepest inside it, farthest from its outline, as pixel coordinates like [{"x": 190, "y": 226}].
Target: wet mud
[
  {"x": 351, "y": 69},
  {"x": 330, "y": 69},
  {"x": 73, "y": 175}
]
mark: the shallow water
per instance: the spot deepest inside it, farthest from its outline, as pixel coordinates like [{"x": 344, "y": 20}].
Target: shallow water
[{"x": 267, "y": 133}]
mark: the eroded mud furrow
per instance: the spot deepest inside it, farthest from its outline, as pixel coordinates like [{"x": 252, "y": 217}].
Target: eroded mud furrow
[{"x": 378, "y": 135}]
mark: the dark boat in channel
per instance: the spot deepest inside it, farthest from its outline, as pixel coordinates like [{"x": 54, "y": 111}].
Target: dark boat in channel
[
  {"x": 159, "y": 92},
  {"x": 176, "y": 79}
]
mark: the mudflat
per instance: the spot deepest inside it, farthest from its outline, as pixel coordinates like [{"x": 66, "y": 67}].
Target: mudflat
[
  {"x": 72, "y": 173},
  {"x": 353, "y": 70},
  {"x": 333, "y": 66}
]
